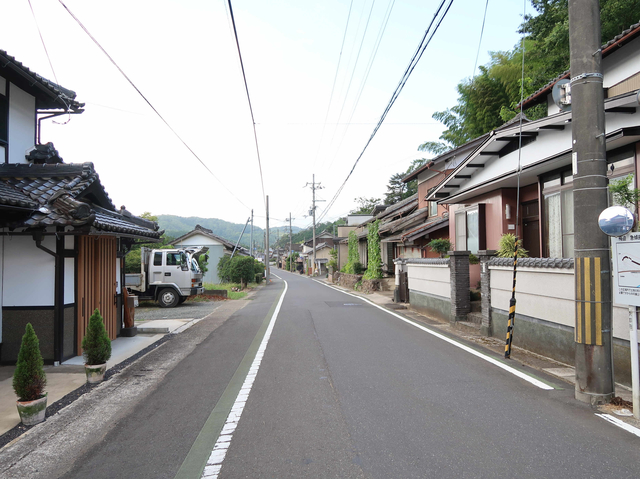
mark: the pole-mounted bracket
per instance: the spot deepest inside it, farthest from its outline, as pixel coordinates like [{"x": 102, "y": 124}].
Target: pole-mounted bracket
[{"x": 599, "y": 76}]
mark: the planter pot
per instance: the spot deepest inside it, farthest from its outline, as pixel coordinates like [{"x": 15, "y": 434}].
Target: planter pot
[
  {"x": 32, "y": 412},
  {"x": 95, "y": 372}
]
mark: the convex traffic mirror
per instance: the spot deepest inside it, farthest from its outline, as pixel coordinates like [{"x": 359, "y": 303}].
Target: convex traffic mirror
[{"x": 616, "y": 221}]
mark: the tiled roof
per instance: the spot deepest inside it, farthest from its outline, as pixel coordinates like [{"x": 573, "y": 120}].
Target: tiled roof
[
  {"x": 562, "y": 263},
  {"x": 49, "y": 95},
  {"x": 11, "y": 197},
  {"x": 538, "y": 95},
  {"x": 66, "y": 195}
]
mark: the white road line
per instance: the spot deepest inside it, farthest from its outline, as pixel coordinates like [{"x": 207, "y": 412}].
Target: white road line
[
  {"x": 214, "y": 463},
  {"x": 489, "y": 359},
  {"x": 619, "y": 423}
]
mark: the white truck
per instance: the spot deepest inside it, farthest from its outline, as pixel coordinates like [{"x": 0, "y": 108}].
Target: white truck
[{"x": 168, "y": 276}]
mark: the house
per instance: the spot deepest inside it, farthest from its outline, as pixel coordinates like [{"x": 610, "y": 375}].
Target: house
[
  {"x": 218, "y": 247},
  {"x": 62, "y": 240},
  {"x": 518, "y": 179},
  {"x": 487, "y": 193}
]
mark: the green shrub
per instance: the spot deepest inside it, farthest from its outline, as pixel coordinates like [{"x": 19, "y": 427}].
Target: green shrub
[
  {"x": 440, "y": 245},
  {"x": 333, "y": 262},
  {"x": 259, "y": 278},
  {"x": 239, "y": 269},
  {"x": 374, "y": 266},
  {"x": 96, "y": 344},
  {"x": 353, "y": 259},
  {"x": 29, "y": 378},
  {"x": 473, "y": 259},
  {"x": 506, "y": 247}
]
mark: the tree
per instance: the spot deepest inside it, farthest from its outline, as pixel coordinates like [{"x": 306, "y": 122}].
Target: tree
[
  {"x": 490, "y": 98},
  {"x": 365, "y": 205},
  {"x": 397, "y": 190}
]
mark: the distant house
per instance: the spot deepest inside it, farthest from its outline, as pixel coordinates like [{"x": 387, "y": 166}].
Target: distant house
[
  {"x": 218, "y": 247},
  {"x": 62, "y": 241}
]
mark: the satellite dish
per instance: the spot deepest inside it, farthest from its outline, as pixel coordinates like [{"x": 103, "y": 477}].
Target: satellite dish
[{"x": 561, "y": 94}]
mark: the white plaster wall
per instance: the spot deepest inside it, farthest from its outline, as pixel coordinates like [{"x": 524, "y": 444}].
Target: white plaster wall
[
  {"x": 198, "y": 240},
  {"x": 621, "y": 64},
  {"x": 69, "y": 280},
  {"x": 547, "y": 294},
  {"x": 547, "y": 144},
  {"x": 3, "y": 85},
  {"x": 430, "y": 279},
  {"x": 2, "y": 154},
  {"x": 28, "y": 272},
  {"x": 22, "y": 123}
]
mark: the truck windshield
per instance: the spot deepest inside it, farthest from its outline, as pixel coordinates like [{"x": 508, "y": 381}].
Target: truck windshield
[{"x": 173, "y": 259}]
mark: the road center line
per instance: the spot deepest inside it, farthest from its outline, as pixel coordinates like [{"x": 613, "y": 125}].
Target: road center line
[{"x": 489, "y": 359}]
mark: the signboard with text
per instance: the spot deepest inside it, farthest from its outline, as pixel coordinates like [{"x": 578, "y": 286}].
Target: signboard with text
[{"x": 626, "y": 269}]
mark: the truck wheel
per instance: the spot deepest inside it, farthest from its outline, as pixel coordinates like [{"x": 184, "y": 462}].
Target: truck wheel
[{"x": 168, "y": 298}]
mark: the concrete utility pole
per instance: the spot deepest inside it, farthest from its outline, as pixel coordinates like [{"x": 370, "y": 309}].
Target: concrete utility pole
[
  {"x": 251, "y": 240},
  {"x": 314, "y": 187},
  {"x": 290, "y": 246},
  {"x": 266, "y": 261},
  {"x": 593, "y": 324}
]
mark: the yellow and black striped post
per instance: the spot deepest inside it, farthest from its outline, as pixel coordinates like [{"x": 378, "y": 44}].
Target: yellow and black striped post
[{"x": 512, "y": 306}]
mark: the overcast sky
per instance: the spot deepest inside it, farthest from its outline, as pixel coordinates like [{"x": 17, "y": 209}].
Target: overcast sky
[{"x": 181, "y": 54}]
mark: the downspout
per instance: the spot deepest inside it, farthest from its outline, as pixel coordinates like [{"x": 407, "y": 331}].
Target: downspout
[{"x": 58, "y": 295}]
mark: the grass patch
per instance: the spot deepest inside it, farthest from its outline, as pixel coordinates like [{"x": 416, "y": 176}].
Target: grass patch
[{"x": 229, "y": 287}]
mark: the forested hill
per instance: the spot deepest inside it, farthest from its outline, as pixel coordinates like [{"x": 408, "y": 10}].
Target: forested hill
[{"x": 176, "y": 226}]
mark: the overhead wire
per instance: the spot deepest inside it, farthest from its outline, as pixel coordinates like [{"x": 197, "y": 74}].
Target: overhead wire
[
  {"x": 246, "y": 87},
  {"x": 374, "y": 53},
  {"x": 61, "y": 96},
  {"x": 195, "y": 155},
  {"x": 335, "y": 78},
  {"x": 355, "y": 67},
  {"x": 424, "y": 43}
]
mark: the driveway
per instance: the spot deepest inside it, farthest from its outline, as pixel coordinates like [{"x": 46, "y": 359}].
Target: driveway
[{"x": 187, "y": 310}]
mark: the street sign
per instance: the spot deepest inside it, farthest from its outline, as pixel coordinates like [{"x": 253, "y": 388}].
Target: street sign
[{"x": 626, "y": 269}]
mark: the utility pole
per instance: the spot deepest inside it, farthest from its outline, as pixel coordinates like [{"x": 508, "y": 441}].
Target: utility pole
[
  {"x": 593, "y": 325},
  {"x": 314, "y": 187},
  {"x": 251, "y": 240},
  {"x": 290, "y": 246},
  {"x": 267, "y": 245}
]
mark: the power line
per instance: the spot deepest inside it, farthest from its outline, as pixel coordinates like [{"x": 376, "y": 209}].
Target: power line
[
  {"x": 147, "y": 101},
  {"x": 383, "y": 28},
  {"x": 326, "y": 117},
  {"x": 246, "y": 87},
  {"x": 424, "y": 43}
]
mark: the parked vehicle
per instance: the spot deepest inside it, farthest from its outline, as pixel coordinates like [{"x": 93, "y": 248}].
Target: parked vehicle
[{"x": 168, "y": 276}]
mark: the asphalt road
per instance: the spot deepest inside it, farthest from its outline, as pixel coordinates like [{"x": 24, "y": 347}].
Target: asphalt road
[{"x": 346, "y": 390}]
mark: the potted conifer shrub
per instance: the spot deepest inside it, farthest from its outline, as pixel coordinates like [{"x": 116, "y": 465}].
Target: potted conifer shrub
[
  {"x": 29, "y": 380},
  {"x": 96, "y": 348}
]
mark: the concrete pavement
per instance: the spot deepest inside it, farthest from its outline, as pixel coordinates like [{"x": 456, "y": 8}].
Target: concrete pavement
[{"x": 70, "y": 375}]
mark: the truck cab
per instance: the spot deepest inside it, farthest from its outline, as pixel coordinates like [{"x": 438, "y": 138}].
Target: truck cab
[{"x": 168, "y": 276}]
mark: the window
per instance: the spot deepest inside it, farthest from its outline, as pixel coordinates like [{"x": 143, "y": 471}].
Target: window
[
  {"x": 433, "y": 208},
  {"x": 173, "y": 259},
  {"x": 470, "y": 229},
  {"x": 557, "y": 190},
  {"x": 157, "y": 258}
]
